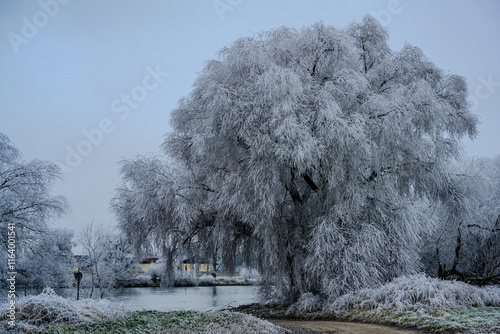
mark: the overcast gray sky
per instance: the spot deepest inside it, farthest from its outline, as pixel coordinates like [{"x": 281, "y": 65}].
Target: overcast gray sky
[{"x": 88, "y": 83}]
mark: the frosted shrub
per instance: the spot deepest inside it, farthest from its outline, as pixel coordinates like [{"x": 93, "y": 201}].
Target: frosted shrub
[
  {"x": 143, "y": 279},
  {"x": 240, "y": 324},
  {"x": 185, "y": 278},
  {"x": 48, "y": 308},
  {"x": 207, "y": 280},
  {"x": 101, "y": 310},
  {"x": 419, "y": 292},
  {"x": 307, "y": 302}
]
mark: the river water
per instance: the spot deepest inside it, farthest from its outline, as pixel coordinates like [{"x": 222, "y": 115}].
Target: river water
[{"x": 201, "y": 298}]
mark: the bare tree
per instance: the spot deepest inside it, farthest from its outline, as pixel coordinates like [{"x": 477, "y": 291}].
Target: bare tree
[
  {"x": 110, "y": 261},
  {"x": 95, "y": 242}
]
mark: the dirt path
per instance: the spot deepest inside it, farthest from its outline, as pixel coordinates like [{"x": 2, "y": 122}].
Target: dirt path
[{"x": 340, "y": 327}]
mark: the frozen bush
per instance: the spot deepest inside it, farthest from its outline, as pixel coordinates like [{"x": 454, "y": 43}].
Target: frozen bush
[
  {"x": 251, "y": 275},
  {"x": 185, "y": 278},
  {"x": 419, "y": 293},
  {"x": 207, "y": 280},
  {"x": 143, "y": 279},
  {"x": 236, "y": 323},
  {"x": 48, "y": 308}
]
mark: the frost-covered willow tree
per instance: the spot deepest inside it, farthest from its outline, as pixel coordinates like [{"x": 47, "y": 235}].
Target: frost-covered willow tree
[
  {"x": 160, "y": 206},
  {"x": 144, "y": 205},
  {"x": 25, "y": 203},
  {"x": 318, "y": 150}
]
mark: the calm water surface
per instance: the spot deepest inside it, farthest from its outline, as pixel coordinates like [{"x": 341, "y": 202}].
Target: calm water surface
[{"x": 202, "y": 298}]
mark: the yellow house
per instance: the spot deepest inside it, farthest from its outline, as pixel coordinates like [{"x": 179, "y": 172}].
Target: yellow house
[{"x": 202, "y": 267}]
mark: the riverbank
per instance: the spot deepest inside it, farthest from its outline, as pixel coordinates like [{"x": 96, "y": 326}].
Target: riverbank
[
  {"x": 185, "y": 282},
  {"x": 460, "y": 320}
]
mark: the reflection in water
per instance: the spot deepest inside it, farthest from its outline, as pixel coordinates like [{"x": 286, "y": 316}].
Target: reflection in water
[{"x": 192, "y": 298}]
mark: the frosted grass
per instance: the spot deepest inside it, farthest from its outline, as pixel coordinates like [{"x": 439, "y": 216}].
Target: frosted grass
[{"x": 419, "y": 293}]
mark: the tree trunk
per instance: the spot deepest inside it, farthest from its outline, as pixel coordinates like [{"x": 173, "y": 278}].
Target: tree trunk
[{"x": 168, "y": 278}]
